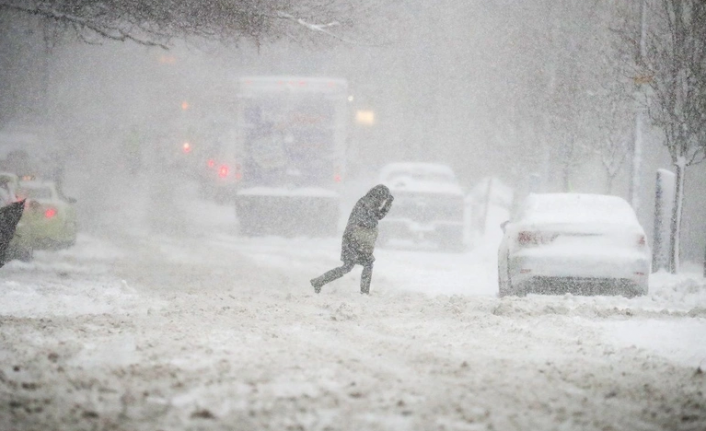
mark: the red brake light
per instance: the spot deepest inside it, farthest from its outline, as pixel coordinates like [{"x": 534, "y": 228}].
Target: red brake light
[
  {"x": 337, "y": 178},
  {"x": 211, "y": 163},
  {"x": 50, "y": 213},
  {"x": 223, "y": 171},
  {"x": 186, "y": 147},
  {"x": 526, "y": 238}
]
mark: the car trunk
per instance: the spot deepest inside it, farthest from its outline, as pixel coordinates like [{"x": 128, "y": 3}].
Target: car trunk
[{"x": 581, "y": 250}]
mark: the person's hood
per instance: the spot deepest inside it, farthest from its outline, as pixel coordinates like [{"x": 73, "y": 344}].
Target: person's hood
[{"x": 378, "y": 193}]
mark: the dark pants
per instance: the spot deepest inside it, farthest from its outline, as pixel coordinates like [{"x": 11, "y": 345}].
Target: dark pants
[{"x": 339, "y": 272}]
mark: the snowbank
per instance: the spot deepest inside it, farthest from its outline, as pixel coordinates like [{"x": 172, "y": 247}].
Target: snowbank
[{"x": 209, "y": 330}]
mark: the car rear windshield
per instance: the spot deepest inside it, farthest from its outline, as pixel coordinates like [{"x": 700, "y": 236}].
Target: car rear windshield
[
  {"x": 578, "y": 209},
  {"x": 34, "y": 193}
]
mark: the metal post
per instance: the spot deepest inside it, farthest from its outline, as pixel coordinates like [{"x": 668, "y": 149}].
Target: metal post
[
  {"x": 664, "y": 202},
  {"x": 658, "y": 220}
]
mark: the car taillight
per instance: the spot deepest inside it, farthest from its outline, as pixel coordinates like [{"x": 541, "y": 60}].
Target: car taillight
[
  {"x": 526, "y": 238},
  {"x": 50, "y": 213},
  {"x": 211, "y": 163},
  {"x": 186, "y": 147},
  {"x": 223, "y": 171}
]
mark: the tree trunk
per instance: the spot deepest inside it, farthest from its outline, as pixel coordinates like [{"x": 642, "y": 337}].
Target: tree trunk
[{"x": 675, "y": 230}]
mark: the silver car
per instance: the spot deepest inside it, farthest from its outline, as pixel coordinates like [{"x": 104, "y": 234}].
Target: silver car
[
  {"x": 574, "y": 243},
  {"x": 429, "y": 205}
]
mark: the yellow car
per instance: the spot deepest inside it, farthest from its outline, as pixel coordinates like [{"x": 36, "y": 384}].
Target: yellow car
[
  {"x": 49, "y": 220},
  {"x": 18, "y": 247}
]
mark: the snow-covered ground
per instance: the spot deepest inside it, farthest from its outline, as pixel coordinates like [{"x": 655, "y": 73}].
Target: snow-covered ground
[{"x": 152, "y": 322}]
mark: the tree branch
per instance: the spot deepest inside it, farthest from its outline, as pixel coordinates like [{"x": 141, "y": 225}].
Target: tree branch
[{"x": 76, "y": 21}]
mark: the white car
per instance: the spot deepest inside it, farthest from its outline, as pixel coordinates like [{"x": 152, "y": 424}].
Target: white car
[
  {"x": 429, "y": 205},
  {"x": 574, "y": 243},
  {"x": 49, "y": 219}
]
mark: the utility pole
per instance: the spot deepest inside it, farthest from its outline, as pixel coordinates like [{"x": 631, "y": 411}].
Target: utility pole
[{"x": 639, "y": 116}]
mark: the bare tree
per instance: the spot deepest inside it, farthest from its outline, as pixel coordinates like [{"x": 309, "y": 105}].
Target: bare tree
[
  {"x": 542, "y": 105},
  {"x": 611, "y": 115},
  {"x": 674, "y": 68},
  {"x": 613, "y": 151},
  {"x": 610, "y": 110},
  {"x": 567, "y": 105},
  {"x": 158, "y": 22},
  {"x": 30, "y": 29}
]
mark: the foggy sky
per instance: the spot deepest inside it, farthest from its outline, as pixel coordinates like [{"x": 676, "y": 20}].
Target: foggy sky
[{"x": 471, "y": 84}]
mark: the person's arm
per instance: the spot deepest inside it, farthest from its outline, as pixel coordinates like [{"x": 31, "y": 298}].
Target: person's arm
[
  {"x": 382, "y": 212},
  {"x": 369, "y": 218},
  {"x": 362, "y": 215}
]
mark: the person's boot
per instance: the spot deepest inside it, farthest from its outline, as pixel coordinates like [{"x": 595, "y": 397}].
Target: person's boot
[{"x": 316, "y": 284}]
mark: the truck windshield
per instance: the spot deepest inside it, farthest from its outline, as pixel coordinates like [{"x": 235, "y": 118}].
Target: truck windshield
[{"x": 289, "y": 141}]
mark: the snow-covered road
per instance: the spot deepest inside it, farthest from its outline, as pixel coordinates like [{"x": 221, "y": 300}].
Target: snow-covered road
[{"x": 208, "y": 330}]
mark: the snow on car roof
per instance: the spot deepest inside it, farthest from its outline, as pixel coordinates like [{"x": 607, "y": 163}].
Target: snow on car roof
[
  {"x": 37, "y": 190},
  {"x": 577, "y": 208},
  {"x": 36, "y": 184},
  {"x": 420, "y": 178}
]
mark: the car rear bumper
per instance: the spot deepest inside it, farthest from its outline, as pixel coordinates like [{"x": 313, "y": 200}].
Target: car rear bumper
[
  {"x": 579, "y": 286},
  {"x": 600, "y": 275},
  {"x": 41, "y": 234}
]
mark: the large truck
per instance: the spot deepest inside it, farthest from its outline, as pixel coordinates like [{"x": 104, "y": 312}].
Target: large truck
[{"x": 290, "y": 151}]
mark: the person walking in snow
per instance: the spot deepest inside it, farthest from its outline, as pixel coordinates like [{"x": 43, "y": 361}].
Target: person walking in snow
[
  {"x": 359, "y": 238},
  {"x": 10, "y": 216}
]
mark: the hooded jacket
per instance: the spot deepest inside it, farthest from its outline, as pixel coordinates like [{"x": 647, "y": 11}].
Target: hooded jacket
[
  {"x": 361, "y": 230},
  {"x": 9, "y": 218}
]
